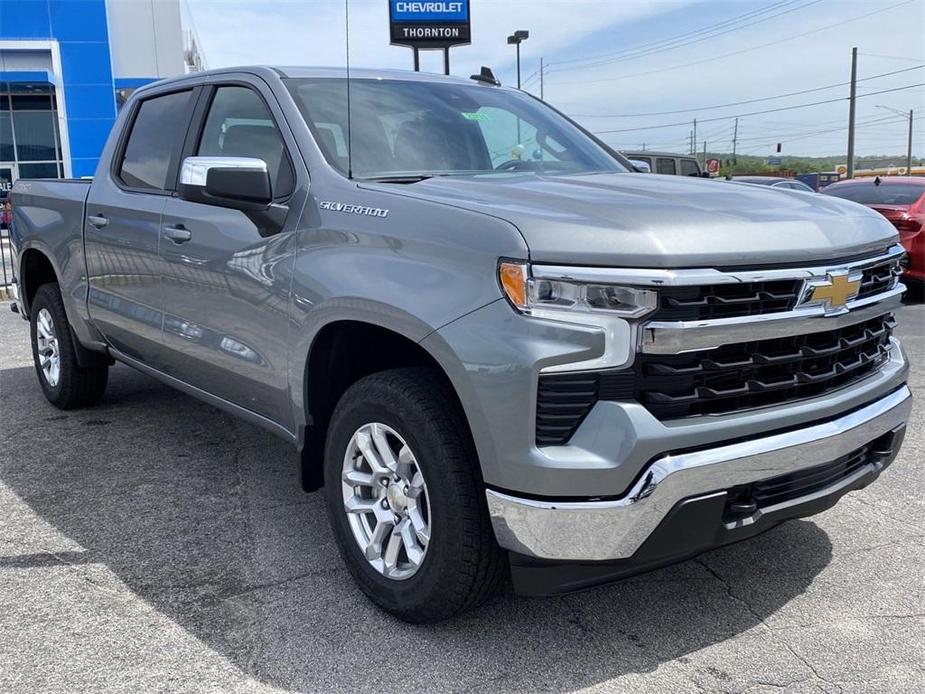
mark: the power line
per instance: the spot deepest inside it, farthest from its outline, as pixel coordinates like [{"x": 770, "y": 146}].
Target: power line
[
  {"x": 790, "y": 137},
  {"x": 740, "y": 103},
  {"x": 743, "y": 50},
  {"x": 889, "y": 57},
  {"x": 755, "y": 113},
  {"x": 679, "y": 42},
  {"x": 646, "y": 45}
]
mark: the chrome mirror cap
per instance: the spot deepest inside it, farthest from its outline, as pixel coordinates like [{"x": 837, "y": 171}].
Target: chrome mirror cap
[{"x": 195, "y": 170}]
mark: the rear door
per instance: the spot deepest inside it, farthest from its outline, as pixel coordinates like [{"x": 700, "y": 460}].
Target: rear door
[
  {"x": 123, "y": 225},
  {"x": 225, "y": 281}
]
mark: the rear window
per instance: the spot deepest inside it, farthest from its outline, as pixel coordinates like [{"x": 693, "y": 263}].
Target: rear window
[
  {"x": 155, "y": 139},
  {"x": 664, "y": 165},
  {"x": 689, "y": 167},
  {"x": 867, "y": 193}
]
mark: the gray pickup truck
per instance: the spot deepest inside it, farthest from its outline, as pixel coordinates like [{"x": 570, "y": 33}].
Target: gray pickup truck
[{"x": 500, "y": 351}]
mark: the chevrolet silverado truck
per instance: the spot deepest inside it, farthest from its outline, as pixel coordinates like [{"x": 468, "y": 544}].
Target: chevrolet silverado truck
[{"x": 499, "y": 350}]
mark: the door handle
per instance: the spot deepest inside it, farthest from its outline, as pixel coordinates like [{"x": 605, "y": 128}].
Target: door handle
[
  {"x": 178, "y": 234},
  {"x": 98, "y": 220}
]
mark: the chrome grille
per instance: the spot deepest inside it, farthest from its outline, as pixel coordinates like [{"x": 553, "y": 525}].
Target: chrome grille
[{"x": 741, "y": 299}]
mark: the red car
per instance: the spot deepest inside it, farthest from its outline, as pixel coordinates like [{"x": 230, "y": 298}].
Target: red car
[{"x": 901, "y": 199}]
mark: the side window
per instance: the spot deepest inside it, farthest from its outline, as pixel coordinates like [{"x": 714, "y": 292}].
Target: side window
[
  {"x": 664, "y": 165},
  {"x": 689, "y": 168},
  {"x": 154, "y": 140},
  {"x": 239, "y": 125}
]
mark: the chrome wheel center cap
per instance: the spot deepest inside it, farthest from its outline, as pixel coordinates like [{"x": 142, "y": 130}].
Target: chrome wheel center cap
[{"x": 397, "y": 499}]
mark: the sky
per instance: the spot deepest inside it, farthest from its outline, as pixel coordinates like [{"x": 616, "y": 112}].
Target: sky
[{"x": 621, "y": 67}]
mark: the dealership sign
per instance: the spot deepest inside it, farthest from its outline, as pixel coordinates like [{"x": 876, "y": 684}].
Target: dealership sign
[{"x": 429, "y": 23}]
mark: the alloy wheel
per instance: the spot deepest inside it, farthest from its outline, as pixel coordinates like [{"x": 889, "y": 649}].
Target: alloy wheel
[
  {"x": 386, "y": 502},
  {"x": 48, "y": 351}
]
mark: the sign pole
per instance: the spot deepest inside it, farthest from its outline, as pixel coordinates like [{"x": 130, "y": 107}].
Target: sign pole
[
  {"x": 417, "y": 59},
  {"x": 446, "y": 61}
]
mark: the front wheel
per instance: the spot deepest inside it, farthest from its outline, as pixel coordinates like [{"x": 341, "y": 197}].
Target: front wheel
[
  {"x": 405, "y": 500},
  {"x": 65, "y": 383}
]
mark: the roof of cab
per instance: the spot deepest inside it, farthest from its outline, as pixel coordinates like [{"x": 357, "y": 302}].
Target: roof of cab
[
  {"x": 655, "y": 153},
  {"x": 284, "y": 72}
]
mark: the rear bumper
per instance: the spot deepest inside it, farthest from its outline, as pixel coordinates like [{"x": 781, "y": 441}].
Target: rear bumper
[{"x": 616, "y": 529}]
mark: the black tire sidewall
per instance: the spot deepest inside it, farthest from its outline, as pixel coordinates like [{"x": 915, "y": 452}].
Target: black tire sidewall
[
  {"x": 47, "y": 298},
  {"x": 371, "y": 401}
]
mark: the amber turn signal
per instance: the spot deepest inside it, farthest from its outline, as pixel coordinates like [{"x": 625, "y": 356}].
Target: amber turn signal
[{"x": 513, "y": 278}]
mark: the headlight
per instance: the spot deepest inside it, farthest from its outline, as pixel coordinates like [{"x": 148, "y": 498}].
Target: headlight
[{"x": 533, "y": 295}]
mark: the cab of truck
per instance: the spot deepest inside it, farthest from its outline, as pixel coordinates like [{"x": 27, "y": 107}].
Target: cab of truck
[{"x": 665, "y": 162}]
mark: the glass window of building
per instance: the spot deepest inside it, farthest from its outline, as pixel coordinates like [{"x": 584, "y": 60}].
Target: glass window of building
[{"x": 30, "y": 143}]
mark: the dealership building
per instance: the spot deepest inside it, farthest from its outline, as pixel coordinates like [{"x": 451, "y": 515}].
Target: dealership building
[{"x": 65, "y": 68}]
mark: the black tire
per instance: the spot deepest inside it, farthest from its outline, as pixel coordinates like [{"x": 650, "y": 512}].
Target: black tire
[
  {"x": 463, "y": 564},
  {"x": 76, "y": 387}
]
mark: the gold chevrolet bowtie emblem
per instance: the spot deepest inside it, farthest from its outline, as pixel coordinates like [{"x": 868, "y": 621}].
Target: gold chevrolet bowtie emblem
[{"x": 835, "y": 291}]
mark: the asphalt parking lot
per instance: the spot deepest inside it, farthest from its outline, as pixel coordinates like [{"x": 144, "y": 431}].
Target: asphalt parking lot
[{"x": 155, "y": 544}]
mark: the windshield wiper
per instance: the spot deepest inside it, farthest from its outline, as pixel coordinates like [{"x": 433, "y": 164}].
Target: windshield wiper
[{"x": 400, "y": 178}]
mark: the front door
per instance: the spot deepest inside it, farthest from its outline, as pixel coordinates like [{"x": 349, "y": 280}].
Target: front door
[
  {"x": 225, "y": 286},
  {"x": 123, "y": 227}
]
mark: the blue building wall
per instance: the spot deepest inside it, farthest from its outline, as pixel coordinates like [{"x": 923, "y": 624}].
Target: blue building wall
[{"x": 81, "y": 29}]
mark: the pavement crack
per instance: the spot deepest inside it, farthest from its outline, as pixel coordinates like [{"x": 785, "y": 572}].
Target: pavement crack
[
  {"x": 751, "y": 610},
  {"x": 810, "y": 666}
]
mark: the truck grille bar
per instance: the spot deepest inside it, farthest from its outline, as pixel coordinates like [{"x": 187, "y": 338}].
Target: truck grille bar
[
  {"x": 756, "y": 374},
  {"x": 712, "y": 301}
]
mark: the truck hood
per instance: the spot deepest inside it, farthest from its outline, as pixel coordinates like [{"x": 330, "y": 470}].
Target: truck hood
[{"x": 647, "y": 220}]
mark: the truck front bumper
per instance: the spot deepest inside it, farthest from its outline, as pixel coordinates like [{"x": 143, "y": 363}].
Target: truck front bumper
[{"x": 747, "y": 485}]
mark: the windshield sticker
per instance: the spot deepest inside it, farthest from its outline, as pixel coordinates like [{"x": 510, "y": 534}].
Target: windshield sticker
[{"x": 476, "y": 116}]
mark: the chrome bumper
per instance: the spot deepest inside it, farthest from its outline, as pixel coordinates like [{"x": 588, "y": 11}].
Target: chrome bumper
[{"x": 606, "y": 530}]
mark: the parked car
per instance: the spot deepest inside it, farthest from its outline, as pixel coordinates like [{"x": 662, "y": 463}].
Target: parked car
[
  {"x": 901, "y": 199},
  {"x": 666, "y": 162},
  {"x": 550, "y": 366},
  {"x": 774, "y": 182}
]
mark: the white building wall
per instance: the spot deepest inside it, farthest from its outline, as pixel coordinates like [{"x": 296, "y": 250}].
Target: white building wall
[{"x": 146, "y": 38}]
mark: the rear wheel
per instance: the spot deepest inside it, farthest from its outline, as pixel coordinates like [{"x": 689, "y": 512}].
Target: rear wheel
[
  {"x": 405, "y": 500},
  {"x": 65, "y": 383}
]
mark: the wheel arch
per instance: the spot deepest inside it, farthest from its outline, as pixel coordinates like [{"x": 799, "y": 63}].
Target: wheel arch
[
  {"x": 35, "y": 269},
  {"x": 342, "y": 352}
]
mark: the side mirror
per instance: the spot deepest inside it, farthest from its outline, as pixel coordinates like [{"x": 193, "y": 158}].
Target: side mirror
[
  {"x": 240, "y": 183},
  {"x": 641, "y": 166}
]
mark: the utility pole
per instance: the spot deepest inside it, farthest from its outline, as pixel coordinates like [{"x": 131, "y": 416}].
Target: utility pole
[
  {"x": 735, "y": 136},
  {"x": 541, "y": 79},
  {"x": 704, "y": 162},
  {"x": 694, "y": 138},
  {"x": 852, "y": 98},
  {"x": 909, "y": 150}
]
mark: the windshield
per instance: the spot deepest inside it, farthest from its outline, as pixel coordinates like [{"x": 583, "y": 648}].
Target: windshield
[
  {"x": 410, "y": 128},
  {"x": 867, "y": 193}
]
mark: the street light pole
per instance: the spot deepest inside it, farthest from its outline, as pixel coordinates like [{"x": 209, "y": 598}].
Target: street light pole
[
  {"x": 518, "y": 65},
  {"x": 909, "y": 147},
  {"x": 517, "y": 38},
  {"x": 909, "y": 143}
]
